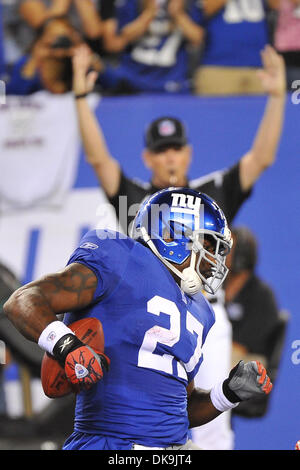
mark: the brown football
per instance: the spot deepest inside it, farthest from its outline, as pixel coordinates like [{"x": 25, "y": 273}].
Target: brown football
[{"x": 54, "y": 381}]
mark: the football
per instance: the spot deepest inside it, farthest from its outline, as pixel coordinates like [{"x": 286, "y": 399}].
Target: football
[{"x": 53, "y": 378}]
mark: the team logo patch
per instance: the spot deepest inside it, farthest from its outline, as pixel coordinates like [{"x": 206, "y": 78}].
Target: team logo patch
[
  {"x": 51, "y": 336},
  {"x": 166, "y": 128},
  {"x": 80, "y": 371},
  {"x": 66, "y": 343},
  {"x": 89, "y": 246}
]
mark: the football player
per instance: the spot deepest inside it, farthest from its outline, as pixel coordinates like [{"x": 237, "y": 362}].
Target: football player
[{"x": 147, "y": 290}]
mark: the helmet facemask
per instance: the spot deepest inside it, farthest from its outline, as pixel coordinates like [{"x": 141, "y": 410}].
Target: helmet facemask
[
  {"x": 214, "y": 259},
  {"x": 192, "y": 278}
]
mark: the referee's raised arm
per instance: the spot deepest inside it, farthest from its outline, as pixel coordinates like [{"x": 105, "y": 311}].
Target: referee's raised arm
[
  {"x": 106, "y": 168},
  {"x": 263, "y": 150}
]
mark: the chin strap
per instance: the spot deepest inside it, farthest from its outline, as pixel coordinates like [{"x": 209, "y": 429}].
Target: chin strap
[
  {"x": 191, "y": 284},
  {"x": 190, "y": 281}
]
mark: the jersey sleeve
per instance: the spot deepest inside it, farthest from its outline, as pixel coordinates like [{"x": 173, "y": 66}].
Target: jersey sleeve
[{"x": 106, "y": 255}]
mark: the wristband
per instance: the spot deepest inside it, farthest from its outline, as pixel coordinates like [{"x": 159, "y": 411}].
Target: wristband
[
  {"x": 82, "y": 95},
  {"x": 219, "y": 400},
  {"x": 52, "y": 334}
]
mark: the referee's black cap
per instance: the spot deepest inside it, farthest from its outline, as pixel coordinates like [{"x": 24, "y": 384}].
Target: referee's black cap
[{"x": 165, "y": 131}]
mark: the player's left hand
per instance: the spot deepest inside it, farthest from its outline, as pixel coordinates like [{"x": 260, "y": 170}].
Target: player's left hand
[
  {"x": 273, "y": 74},
  {"x": 83, "y": 366},
  {"x": 247, "y": 380}
]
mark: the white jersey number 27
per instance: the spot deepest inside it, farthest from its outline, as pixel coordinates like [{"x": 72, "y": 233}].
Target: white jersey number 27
[{"x": 169, "y": 337}]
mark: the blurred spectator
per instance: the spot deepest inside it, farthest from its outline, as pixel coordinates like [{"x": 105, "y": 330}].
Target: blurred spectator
[
  {"x": 36, "y": 55},
  {"x": 22, "y": 20},
  {"x": 152, "y": 49},
  {"x": 257, "y": 325},
  {"x": 17, "y": 36},
  {"x": 287, "y": 37},
  {"x": 48, "y": 65},
  {"x": 235, "y": 33},
  {"x": 2, "y": 58},
  {"x": 82, "y": 15}
]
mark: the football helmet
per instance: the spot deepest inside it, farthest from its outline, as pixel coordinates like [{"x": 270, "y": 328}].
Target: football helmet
[{"x": 177, "y": 224}]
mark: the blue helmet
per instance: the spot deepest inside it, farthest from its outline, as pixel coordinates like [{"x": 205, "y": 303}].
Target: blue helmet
[{"x": 174, "y": 223}]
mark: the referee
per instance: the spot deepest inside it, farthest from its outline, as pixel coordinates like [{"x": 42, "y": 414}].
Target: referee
[{"x": 167, "y": 151}]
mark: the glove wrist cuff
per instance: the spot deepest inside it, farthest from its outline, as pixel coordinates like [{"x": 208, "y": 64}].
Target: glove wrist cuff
[
  {"x": 219, "y": 400},
  {"x": 230, "y": 394},
  {"x": 52, "y": 334}
]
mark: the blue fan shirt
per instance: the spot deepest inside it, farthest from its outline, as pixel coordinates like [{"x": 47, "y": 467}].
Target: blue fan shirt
[{"x": 235, "y": 35}]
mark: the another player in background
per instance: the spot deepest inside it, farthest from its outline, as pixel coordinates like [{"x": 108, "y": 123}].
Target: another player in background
[{"x": 147, "y": 292}]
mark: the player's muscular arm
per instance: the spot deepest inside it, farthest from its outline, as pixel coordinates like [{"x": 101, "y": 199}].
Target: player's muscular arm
[
  {"x": 35, "y": 305},
  {"x": 200, "y": 408}
]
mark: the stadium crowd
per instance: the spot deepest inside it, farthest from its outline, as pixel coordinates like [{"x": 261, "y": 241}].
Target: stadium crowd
[{"x": 208, "y": 47}]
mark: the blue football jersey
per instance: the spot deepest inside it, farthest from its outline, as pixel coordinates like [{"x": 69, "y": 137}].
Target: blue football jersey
[
  {"x": 235, "y": 35},
  {"x": 158, "y": 60},
  {"x": 153, "y": 336}
]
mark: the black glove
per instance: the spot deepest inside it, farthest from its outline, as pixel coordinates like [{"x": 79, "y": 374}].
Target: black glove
[{"x": 246, "y": 381}]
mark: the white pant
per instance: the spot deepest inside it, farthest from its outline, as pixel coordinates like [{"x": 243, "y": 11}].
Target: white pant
[
  {"x": 189, "y": 445},
  {"x": 216, "y": 365}
]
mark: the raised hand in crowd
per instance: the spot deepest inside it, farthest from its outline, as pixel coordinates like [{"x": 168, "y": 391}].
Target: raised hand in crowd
[
  {"x": 151, "y": 7},
  {"x": 175, "y": 7},
  {"x": 35, "y": 12}
]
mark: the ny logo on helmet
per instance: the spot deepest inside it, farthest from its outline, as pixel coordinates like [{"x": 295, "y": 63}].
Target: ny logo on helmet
[{"x": 185, "y": 201}]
